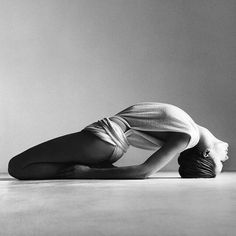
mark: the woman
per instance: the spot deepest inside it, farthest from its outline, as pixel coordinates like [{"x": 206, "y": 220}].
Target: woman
[{"x": 154, "y": 126}]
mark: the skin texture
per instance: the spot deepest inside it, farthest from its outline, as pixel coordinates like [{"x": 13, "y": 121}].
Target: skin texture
[{"x": 83, "y": 155}]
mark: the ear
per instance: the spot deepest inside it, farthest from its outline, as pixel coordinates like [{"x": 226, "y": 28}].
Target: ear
[{"x": 206, "y": 152}]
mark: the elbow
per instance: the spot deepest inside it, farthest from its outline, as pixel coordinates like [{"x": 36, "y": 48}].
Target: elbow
[
  {"x": 143, "y": 172},
  {"x": 147, "y": 171},
  {"x": 145, "y": 176},
  {"x": 140, "y": 176}
]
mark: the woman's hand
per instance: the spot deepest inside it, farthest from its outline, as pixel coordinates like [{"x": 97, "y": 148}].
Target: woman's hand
[
  {"x": 86, "y": 172},
  {"x": 74, "y": 172}
]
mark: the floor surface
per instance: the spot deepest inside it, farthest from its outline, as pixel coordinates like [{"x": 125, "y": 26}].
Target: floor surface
[{"x": 162, "y": 205}]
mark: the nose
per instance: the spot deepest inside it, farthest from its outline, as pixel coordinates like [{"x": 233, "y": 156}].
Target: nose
[{"x": 227, "y": 146}]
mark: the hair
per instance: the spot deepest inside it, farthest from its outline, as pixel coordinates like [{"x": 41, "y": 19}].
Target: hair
[{"x": 194, "y": 165}]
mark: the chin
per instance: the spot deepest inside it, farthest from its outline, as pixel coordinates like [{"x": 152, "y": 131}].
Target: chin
[{"x": 218, "y": 169}]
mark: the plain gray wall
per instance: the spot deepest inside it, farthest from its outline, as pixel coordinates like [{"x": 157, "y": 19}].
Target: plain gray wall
[{"x": 65, "y": 64}]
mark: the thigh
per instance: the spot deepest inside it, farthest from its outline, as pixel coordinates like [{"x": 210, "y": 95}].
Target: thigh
[{"x": 81, "y": 147}]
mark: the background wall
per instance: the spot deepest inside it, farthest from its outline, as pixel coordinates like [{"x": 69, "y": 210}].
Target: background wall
[{"x": 65, "y": 64}]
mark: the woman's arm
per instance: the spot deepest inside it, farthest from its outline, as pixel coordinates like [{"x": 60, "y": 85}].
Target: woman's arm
[
  {"x": 86, "y": 172},
  {"x": 175, "y": 145},
  {"x": 155, "y": 162}
]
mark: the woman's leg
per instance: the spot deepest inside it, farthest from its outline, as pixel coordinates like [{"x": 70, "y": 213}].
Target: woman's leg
[
  {"x": 46, "y": 160},
  {"x": 37, "y": 171}
]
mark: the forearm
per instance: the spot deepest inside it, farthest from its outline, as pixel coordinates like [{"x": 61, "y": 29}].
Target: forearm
[
  {"x": 175, "y": 145},
  {"x": 85, "y": 172},
  {"x": 127, "y": 172}
]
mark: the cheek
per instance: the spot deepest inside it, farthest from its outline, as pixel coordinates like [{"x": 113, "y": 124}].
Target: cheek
[
  {"x": 222, "y": 155},
  {"x": 219, "y": 154}
]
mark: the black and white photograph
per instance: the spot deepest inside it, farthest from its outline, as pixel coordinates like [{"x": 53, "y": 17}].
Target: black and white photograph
[{"x": 117, "y": 117}]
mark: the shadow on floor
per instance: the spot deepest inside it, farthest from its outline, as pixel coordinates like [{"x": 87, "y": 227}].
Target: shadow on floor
[{"x": 7, "y": 179}]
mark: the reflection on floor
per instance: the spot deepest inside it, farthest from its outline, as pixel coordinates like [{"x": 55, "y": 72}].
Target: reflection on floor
[{"x": 162, "y": 205}]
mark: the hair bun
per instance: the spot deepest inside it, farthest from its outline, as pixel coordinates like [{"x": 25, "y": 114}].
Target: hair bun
[{"x": 194, "y": 165}]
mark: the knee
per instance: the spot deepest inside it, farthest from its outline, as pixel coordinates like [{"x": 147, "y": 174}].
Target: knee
[{"x": 14, "y": 168}]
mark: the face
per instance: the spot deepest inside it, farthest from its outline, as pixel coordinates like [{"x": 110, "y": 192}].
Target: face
[{"x": 219, "y": 153}]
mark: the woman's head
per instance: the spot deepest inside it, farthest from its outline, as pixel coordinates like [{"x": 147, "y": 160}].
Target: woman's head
[
  {"x": 205, "y": 159},
  {"x": 193, "y": 164}
]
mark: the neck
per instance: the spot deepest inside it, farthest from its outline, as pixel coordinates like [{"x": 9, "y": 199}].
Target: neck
[{"x": 206, "y": 140}]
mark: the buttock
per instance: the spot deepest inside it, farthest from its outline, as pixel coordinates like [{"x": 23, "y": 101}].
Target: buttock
[
  {"x": 110, "y": 132},
  {"x": 96, "y": 150}
]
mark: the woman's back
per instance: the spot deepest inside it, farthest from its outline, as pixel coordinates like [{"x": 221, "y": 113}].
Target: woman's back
[{"x": 149, "y": 124}]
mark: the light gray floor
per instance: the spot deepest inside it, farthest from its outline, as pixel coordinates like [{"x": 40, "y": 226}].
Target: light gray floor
[{"x": 162, "y": 205}]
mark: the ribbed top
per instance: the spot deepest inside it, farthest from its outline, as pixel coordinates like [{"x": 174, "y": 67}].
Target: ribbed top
[{"x": 152, "y": 116}]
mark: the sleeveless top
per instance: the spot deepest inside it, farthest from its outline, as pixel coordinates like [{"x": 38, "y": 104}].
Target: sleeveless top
[{"x": 146, "y": 116}]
